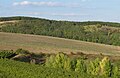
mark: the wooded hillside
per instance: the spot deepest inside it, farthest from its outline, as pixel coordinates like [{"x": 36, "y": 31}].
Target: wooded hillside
[{"x": 98, "y": 32}]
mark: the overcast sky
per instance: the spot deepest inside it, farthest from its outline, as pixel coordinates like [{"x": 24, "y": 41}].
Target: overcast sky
[{"x": 72, "y": 10}]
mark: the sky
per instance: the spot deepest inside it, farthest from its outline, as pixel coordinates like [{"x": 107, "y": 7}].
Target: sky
[{"x": 69, "y": 10}]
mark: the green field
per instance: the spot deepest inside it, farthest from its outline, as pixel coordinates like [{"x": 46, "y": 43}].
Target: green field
[{"x": 46, "y": 44}]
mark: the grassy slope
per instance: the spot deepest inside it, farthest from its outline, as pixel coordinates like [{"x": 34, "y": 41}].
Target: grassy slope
[{"x": 46, "y": 44}]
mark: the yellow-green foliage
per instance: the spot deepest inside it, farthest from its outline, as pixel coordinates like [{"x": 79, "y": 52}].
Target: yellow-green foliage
[
  {"x": 91, "y": 28},
  {"x": 67, "y": 64},
  {"x": 80, "y": 66},
  {"x": 105, "y": 66},
  {"x": 115, "y": 72},
  {"x": 59, "y": 61},
  {"x": 94, "y": 67},
  {"x": 49, "y": 61}
]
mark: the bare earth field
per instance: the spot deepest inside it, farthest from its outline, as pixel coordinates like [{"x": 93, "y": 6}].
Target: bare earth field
[
  {"x": 8, "y": 22},
  {"x": 46, "y": 44},
  {"x": 4, "y": 22}
]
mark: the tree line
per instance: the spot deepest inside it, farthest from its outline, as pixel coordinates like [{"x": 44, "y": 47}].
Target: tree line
[
  {"x": 98, "y": 32},
  {"x": 95, "y": 67}
]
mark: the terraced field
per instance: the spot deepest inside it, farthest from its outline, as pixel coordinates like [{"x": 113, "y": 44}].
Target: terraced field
[{"x": 46, "y": 44}]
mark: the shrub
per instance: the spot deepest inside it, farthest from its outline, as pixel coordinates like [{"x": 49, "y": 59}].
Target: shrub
[
  {"x": 115, "y": 72},
  {"x": 67, "y": 64},
  {"x": 106, "y": 67},
  {"x": 80, "y": 66},
  {"x": 22, "y": 51},
  {"x": 7, "y": 54},
  {"x": 59, "y": 61},
  {"x": 94, "y": 67}
]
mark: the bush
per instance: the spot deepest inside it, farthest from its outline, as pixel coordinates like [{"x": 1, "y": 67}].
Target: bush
[
  {"x": 59, "y": 61},
  {"x": 22, "y": 51},
  {"x": 115, "y": 72},
  {"x": 106, "y": 67},
  {"x": 7, "y": 54},
  {"x": 94, "y": 67},
  {"x": 80, "y": 66}
]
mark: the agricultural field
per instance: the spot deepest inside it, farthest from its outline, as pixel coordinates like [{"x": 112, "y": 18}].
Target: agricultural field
[
  {"x": 46, "y": 44},
  {"x": 3, "y": 22},
  {"x": 7, "y": 22}
]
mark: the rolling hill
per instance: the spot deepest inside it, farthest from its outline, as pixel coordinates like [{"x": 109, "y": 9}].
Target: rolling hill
[
  {"x": 58, "y": 49},
  {"x": 47, "y": 44},
  {"x": 95, "y": 31}
]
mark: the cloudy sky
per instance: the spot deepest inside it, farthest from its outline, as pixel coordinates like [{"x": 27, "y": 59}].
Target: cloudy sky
[{"x": 72, "y": 10}]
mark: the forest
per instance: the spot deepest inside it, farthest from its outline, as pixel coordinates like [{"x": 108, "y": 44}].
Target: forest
[{"x": 91, "y": 31}]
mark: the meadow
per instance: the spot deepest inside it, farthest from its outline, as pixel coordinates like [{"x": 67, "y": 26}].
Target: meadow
[{"x": 47, "y": 44}]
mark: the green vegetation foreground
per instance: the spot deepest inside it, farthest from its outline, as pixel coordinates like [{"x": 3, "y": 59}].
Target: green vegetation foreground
[
  {"x": 14, "y": 69},
  {"x": 58, "y": 66}
]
